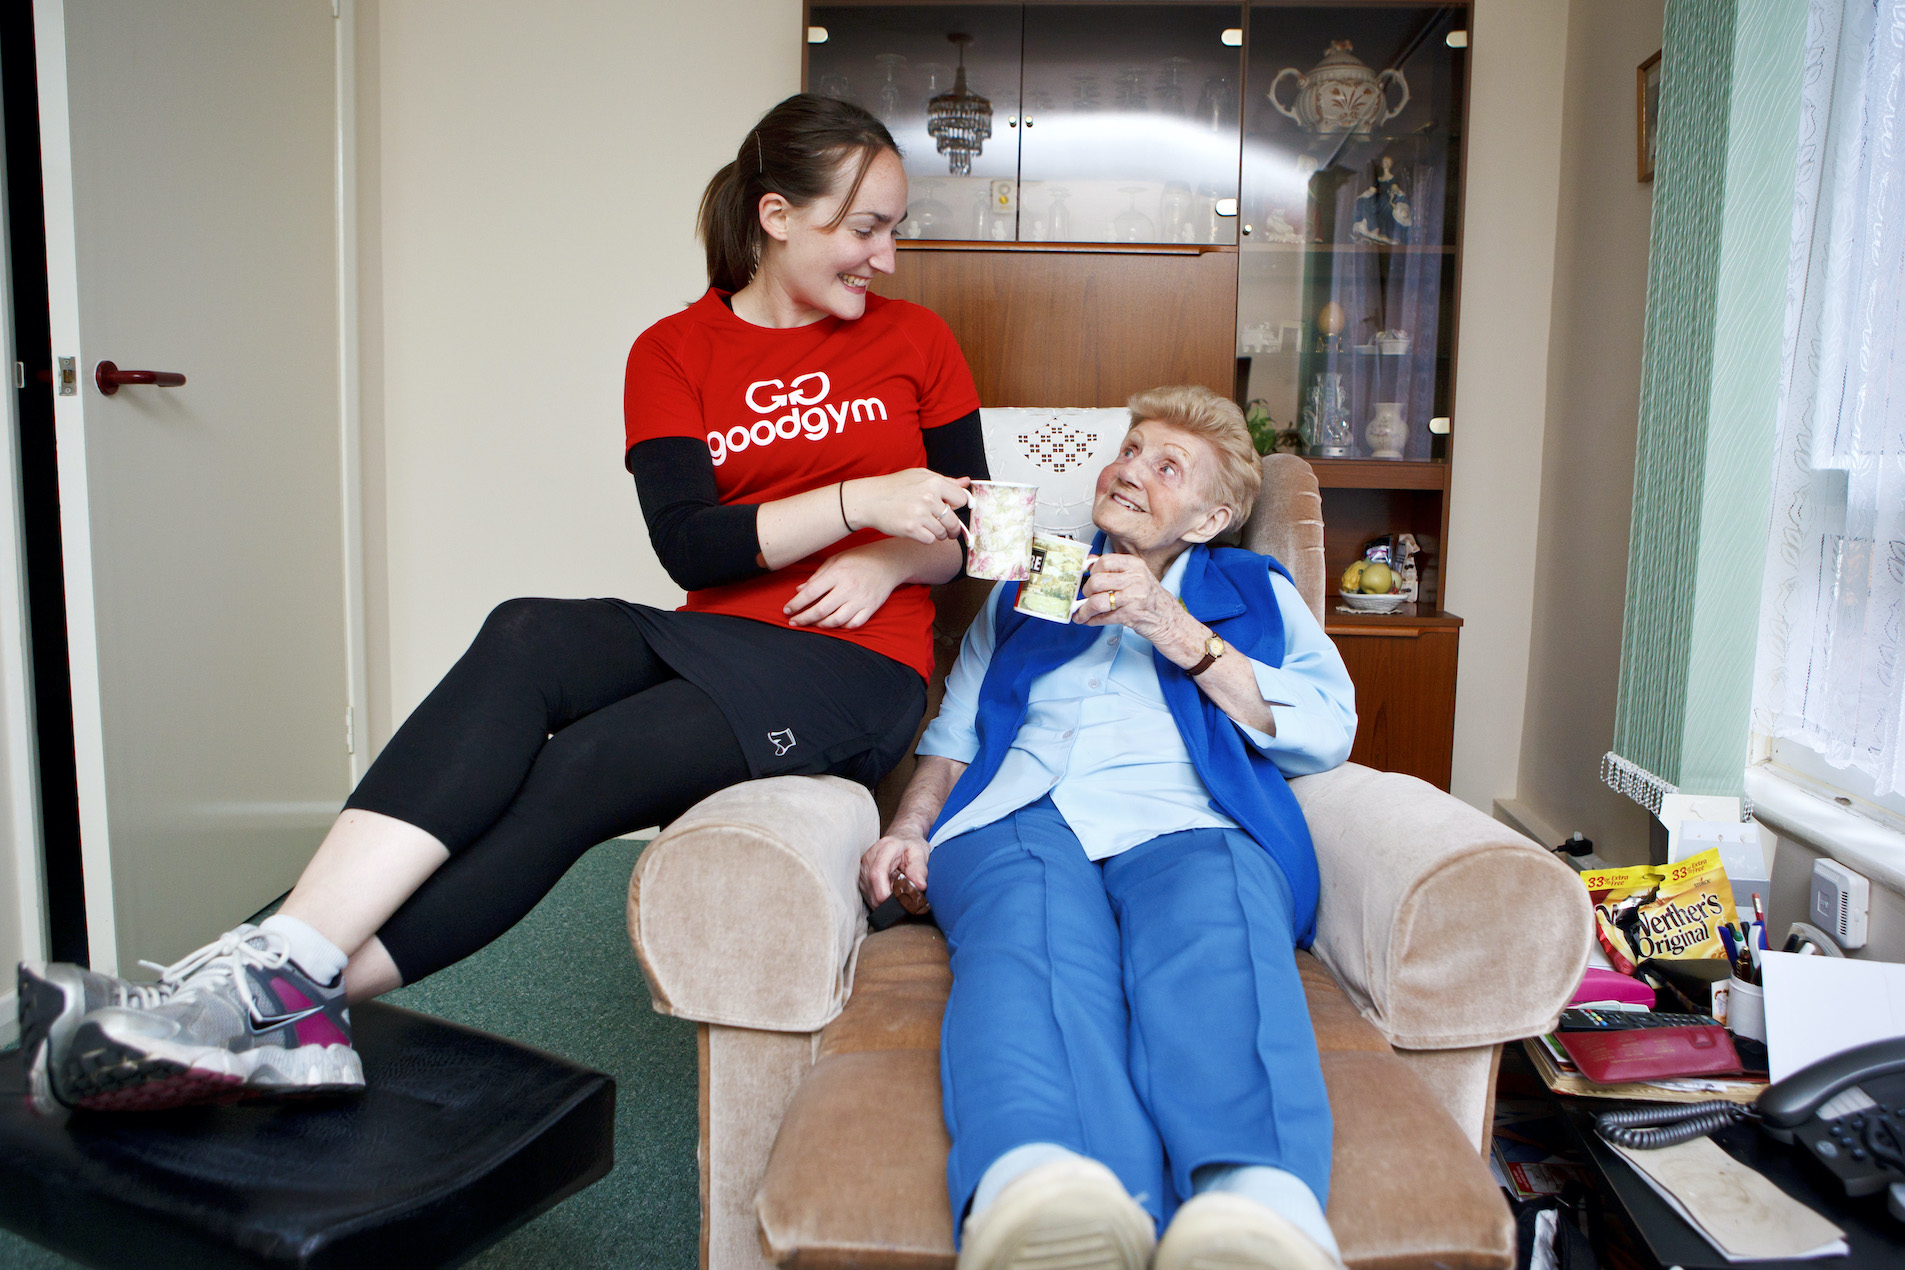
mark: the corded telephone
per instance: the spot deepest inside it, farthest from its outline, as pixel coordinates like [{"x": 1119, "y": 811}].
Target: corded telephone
[{"x": 1846, "y": 1112}]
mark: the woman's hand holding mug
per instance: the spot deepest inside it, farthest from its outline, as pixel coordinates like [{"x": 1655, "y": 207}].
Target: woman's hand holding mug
[
  {"x": 918, "y": 503},
  {"x": 1122, "y": 589}
]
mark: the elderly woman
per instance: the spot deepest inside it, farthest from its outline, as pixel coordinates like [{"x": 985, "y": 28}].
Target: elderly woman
[{"x": 1122, "y": 874}]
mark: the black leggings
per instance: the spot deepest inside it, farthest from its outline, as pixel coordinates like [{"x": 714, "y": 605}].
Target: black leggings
[{"x": 541, "y": 742}]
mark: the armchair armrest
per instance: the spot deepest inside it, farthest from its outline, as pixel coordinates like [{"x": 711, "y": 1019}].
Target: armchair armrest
[
  {"x": 746, "y": 911},
  {"x": 1445, "y": 927}
]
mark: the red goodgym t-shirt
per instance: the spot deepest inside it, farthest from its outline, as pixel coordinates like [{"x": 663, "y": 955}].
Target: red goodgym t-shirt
[{"x": 786, "y": 411}]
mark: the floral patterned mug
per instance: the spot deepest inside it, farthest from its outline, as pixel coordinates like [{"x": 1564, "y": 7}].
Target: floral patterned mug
[{"x": 1000, "y": 544}]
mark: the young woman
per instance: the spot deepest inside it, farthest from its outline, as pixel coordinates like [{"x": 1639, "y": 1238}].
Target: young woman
[{"x": 800, "y": 448}]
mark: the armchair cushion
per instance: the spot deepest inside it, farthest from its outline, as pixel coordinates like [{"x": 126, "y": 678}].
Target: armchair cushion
[
  {"x": 858, "y": 1172},
  {"x": 1446, "y": 928},
  {"x": 746, "y": 910}
]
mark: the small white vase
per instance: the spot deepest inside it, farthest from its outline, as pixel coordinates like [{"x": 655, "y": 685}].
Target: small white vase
[{"x": 1386, "y": 431}]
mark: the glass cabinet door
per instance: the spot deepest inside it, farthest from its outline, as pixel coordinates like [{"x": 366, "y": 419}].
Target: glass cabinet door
[
  {"x": 1346, "y": 281},
  {"x": 894, "y": 60},
  {"x": 1130, "y": 123}
]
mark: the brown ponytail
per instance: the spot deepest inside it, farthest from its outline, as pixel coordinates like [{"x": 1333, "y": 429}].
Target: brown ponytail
[{"x": 798, "y": 150}]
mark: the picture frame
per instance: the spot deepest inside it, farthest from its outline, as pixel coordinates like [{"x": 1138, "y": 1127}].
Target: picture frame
[{"x": 1646, "y": 116}]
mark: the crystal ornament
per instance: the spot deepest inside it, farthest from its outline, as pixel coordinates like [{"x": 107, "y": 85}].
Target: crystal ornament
[{"x": 959, "y": 121}]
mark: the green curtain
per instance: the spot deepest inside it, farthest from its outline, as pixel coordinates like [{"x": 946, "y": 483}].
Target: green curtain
[{"x": 1723, "y": 191}]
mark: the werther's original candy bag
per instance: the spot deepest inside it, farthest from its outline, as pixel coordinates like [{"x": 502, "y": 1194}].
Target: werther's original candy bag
[
  {"x": 1682, "y": 922},
  {"x": 1674, "y": 913},
  {"x": 1617, "y": 895}
]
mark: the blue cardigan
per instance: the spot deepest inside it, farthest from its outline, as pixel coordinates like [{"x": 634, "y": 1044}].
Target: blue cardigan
[{"x": 1228, "y": 590}]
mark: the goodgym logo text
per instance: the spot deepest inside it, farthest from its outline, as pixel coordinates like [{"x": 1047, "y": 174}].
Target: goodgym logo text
[{"x": 808, "y": 414}]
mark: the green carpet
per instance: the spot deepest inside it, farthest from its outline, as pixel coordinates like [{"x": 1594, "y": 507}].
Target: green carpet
[{"x": 565, "y": 980}]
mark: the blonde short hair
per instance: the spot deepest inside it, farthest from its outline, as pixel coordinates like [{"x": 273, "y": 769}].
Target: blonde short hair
[{"x": 1201, "y": 412}]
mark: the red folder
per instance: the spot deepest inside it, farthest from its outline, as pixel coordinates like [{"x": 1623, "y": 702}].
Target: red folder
[{"x": 1652, "y": 1053}]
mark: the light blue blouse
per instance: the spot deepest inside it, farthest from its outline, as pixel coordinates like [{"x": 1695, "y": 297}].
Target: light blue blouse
[{"x": 1099, "y": 739}]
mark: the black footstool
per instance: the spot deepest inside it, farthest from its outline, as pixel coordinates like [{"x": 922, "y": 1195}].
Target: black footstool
[{"x": 460, "y": 1138}]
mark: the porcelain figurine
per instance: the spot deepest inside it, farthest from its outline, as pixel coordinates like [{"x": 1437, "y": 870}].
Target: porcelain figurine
[
  {"x": 1382, "y": 209},
  {"x": 1340, "y": 94},
  {"x": 1278, "y": 229}
]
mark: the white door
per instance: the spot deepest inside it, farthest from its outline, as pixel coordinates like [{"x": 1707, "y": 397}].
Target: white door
[{"x": 191, "y": 156}]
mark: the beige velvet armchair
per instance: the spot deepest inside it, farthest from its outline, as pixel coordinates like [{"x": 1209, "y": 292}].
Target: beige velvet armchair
[{"x": 1441, "y": 934}]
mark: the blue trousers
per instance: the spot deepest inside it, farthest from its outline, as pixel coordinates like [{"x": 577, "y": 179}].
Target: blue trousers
[{"x": 1144, "y": 1010}]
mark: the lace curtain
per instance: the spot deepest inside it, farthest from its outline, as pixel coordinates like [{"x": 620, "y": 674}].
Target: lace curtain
[{"x": 1827, "y": 671}]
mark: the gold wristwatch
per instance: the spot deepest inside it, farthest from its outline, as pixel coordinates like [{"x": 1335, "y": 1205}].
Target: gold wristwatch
[{"x": 1213, "y": 649}]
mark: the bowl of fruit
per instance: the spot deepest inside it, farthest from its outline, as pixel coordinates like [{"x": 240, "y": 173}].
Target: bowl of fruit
[{"x": 1370, "y": 586}]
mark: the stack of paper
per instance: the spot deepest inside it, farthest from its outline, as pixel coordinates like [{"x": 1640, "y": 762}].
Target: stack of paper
[{"x": 1558, "y": 1071}]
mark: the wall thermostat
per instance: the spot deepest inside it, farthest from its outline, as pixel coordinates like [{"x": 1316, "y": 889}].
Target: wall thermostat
[{"x": 1840, "y": 899}]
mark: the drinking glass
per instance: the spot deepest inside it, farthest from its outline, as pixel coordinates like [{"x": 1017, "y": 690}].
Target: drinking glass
[
  {"x": 1132, "y": 225},
  {"x": 926, "y": 216}
]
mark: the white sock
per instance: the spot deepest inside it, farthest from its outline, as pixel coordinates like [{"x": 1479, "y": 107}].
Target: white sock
[
  {"x": 1013, "y": 1165},
  {"x": 316, "y": 956},
  {"x": 1280, "y": 1191}
]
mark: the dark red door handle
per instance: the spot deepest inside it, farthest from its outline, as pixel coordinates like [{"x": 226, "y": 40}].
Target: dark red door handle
[{"x": 109, "y": 377}]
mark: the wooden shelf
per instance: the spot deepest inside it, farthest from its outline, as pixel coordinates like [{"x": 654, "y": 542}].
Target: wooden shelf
[
  {"x": 1113, "y": 249},
  {"x": 1347, "y": 249},
  {"x": 1407, "y": 620},
  {"x": 1380, "y": 473}
]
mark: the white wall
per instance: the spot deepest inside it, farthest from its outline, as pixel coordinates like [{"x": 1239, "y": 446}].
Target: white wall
[
  {"x": 530, "y": 178},
  {"x": 1593, "y": 406},
  {"x": 22, "y": 896},
  {"x": 1512, "y": 187}
]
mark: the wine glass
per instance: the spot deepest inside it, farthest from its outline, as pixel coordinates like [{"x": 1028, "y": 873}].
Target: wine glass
[
  {"x": 1084, "y": 92},
  {"x": 1171, "y": 86},
  {"x": 1128, "y": 90},
  {"x": 1132, "y": 225},
  {"x": 890, "y": 90},
  {"x": 1176, "y": 208},
  {"x": 1061, "y": 216},
  {"x": 836, "y": 86}
]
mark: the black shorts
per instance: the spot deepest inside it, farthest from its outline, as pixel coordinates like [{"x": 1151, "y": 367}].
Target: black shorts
[{"x": 801, "y": 703}]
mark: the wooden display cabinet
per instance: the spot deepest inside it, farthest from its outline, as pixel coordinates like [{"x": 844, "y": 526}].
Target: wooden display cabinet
[{"x": 1168, "y": 222}]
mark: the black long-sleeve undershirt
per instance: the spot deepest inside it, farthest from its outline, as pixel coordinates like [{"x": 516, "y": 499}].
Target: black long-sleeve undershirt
[{"x": 703, "y": 542}]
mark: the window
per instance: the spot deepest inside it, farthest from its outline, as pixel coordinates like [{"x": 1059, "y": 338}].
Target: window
[{"x": 1829, "y": 686}]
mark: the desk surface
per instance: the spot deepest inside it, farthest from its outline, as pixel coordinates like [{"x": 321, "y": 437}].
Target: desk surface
[{"x": 1875, "y": 1240}]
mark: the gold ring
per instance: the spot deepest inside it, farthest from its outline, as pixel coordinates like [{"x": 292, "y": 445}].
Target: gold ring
[{"x": 1114, "y": 598}]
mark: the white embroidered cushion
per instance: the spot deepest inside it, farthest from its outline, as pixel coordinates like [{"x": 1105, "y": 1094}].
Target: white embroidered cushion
[{"x": 1060, "y": 450}]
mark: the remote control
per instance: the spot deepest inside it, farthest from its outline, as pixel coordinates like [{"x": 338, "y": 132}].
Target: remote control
[{"x": 1628, "y": 1020}]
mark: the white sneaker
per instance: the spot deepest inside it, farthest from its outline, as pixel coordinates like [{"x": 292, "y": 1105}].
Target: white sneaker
[
  {"x": 1218, "y": 1231},
  {"x": 1069, "y": 1214}
]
